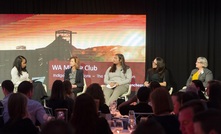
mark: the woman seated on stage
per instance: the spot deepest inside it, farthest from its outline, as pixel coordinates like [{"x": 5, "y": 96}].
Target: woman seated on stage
[
  {"x": 117, "y": 78},
  {"x": 201, "y": 72},
  {"x": 158, "y": 73},
  {"x": 19, "y": 72},
  {"x": 75, "y": 75}
]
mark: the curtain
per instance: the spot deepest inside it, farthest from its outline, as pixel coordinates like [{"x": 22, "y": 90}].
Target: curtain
[{"x": 179, "y": 31}]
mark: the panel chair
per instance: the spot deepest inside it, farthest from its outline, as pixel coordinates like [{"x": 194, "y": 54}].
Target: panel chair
[
  {"x": 171, "y": 91},
  {"x": 125, "y": 95},
  {"x": 45, "y": 87},
  {"x": 84, "y": 88}
]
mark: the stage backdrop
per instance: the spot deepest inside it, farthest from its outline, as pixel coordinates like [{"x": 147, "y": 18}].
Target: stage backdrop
[{"x": 49, "y": 40}]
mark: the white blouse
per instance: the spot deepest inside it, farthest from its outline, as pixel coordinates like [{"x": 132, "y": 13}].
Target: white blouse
[{"x": 18, "y": 79}]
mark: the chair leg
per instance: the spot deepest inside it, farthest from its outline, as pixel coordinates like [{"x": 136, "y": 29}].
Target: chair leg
[{"x": 125, "y": 98}]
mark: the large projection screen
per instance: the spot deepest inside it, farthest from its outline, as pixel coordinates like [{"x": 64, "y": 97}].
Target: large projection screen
[{"x": 49, "y": 40}]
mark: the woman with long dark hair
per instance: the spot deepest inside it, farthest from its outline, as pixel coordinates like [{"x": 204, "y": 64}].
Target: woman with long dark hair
[
  {"x": 19, "y": 72},
  {"x": 96, "y": 92},
  {"x": 85, "y": 118},
  {"x": 158, "y": 73},
  {"x": 58, "y": 98},
  {"x": 117, "y": 78}
]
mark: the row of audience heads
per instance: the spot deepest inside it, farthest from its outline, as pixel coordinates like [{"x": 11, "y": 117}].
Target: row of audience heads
[
  {"x": 159, "y": 97},
  {"x": 161, "y": 102},
  {"x": 84, "y": 104}
]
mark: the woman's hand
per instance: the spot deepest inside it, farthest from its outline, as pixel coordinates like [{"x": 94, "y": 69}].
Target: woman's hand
[
  {"x": 112, "y": 84},
  {"x": 74, "y": 86}
]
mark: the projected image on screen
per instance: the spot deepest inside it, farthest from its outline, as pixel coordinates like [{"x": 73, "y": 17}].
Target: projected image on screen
[{"x": 49, "y": 40}]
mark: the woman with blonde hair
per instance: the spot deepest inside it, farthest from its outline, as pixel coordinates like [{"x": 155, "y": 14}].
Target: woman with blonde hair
[
  {"x": 75, "y": 75},
  {"x": 19, "y": 122}
]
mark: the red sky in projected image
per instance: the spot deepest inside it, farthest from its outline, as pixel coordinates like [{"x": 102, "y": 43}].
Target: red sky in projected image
[{"x": 37, "y": 31}]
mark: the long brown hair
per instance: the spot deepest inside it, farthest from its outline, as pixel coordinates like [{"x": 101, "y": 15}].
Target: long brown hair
[
  {"x": 84, "y": 116},
  {"x": 122, "y": 61},
  {"x": 77, "y": 61},
  {"x": 17, "y": 106},
  {"x": 161, "y": 101}
]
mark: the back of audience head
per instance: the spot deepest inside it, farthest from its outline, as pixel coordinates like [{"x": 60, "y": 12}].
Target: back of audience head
[
  {"x": 198, "y": 84},
  {"x": 195, "y": 105},
  {"x": 56, "y": 127},
  {"x": 191, "y": 88},
  {"x": 17, "y": 106},
  {"x": 188, "y": 96},
  {"x": 214, "y": 92},
  {"x": 67, "y": 86},
  {"x": 177, "y": 101},
  {"x": 84, "y": 114},
  {"x": 96, "y": 92},
  {"x": 161, "y": 101},
  {"x": 207, "y": 122},
  {"x": 57, "y": 90},
  {"x": 7, "y": 86},
  {"x": 143, "y": 94},
  {"x": 187, "y": 112},
  {"x": 150, "y": 126},
  {"x": 26, "y": 88},
  {"x": 154, "y": 84}
]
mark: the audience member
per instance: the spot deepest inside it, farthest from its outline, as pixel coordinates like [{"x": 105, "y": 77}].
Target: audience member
[
  {"x": 96, "y": 92},
  {"x": 150, "y": 126},
  {"x": 68, "y": 88},
  {"x": 207, "y": 122},
  {"x": 57, "y": 127},
  {"x": 18, "y": 123},
  {"x": 187, "y": 112},
  {"x": 35, "y": 109},
  {"x": 192, "y": 89},
  {"x": 158, "y": 73},
  {"x": 142, "y": 106},
  {"x": 75, "y": 75},
  {"x": 117, "y": 78},
  {"x": 7, "y": 89},
  {"x": 214, "y": 93},
  {"x": 154, "y": 84},
  {"x": 85, "y": 119},
  {"x": 58, "y": 98},
  {"x": 162, "y": 107},
  {"x": 177, "y": 101},
  {"x": 188, "y": 96},
  {"x": 200, "y": 88},
  {"x": 201, "y": 72}
]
